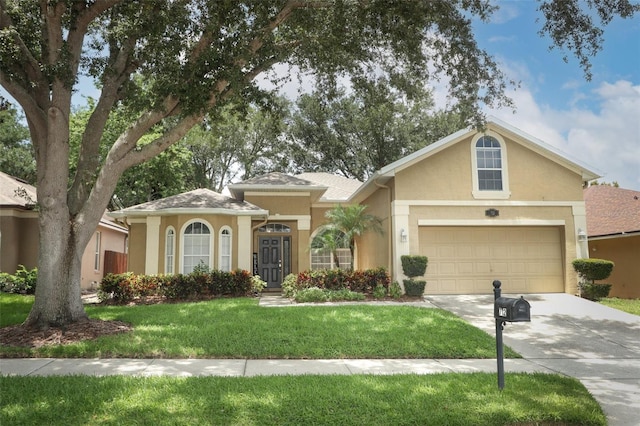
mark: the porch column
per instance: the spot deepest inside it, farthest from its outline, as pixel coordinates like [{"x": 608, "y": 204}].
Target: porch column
[
  {"x": 153, "y": 245},
  {"x": 304, "y": 232},
  {"x": 244, "y": 243}
]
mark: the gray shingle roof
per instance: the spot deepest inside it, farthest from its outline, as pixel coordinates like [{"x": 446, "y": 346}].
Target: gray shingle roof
[
  {"x": 8, "y": 195},
  {"x": 200, "y": 199},
  {"x": 340, "y": 188}
]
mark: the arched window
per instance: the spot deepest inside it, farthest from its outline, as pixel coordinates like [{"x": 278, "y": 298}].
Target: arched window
[
  {"x": 274, "y": 227},
  {"x": 489, "y": 164},
  {"x": 196, "y": 246},
  {"x": 169, "y": 250},
  {"x": 224, "y": 241},
  {"x": 490, "y": 168},
  {"x": 330, "y": 250}
]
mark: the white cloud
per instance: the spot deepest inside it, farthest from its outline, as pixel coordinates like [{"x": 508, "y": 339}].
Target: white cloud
[{"x": 607, "y": 139}]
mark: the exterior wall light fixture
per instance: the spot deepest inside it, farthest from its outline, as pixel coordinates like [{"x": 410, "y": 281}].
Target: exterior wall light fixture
[{"x": 403, "y": 236}]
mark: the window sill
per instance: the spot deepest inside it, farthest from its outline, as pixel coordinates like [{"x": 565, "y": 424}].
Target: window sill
[{"x": 491, "y": 195}]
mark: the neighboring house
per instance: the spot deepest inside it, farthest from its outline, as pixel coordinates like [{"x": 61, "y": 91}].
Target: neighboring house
[
  {"x": 19, "y": 235},
  {"x": 613, "y": 229},
  {"x": 498, "y": 204}
]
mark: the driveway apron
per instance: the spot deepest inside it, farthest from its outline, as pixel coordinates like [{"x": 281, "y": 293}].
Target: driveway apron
[{"x": 596, "y": 344}]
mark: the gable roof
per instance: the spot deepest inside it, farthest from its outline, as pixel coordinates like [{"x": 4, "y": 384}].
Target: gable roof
[
  {"x": 340, "y": 188},
  {"x": 611, "y": 210},
  {"x": 10, "y": 187},
  {"x": 387, "y": 172},
  {"x": 197, "y": 201},
  {"x": 276, "y": 181}
]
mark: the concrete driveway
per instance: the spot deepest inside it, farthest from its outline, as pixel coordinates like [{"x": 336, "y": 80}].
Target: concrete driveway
[{"x": 598, "y": 345}]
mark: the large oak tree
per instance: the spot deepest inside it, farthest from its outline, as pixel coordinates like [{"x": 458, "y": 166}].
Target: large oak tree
[{"x": 173, "y": 60}]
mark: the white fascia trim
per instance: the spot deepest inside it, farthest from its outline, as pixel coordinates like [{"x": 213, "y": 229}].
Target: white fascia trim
[
  {"x": 490, "y": 222},
  {"x": 278, "y": 188},
  {"x": 615, "y": 236},
  {"x": 113, "y": 227},
  {"x": 488, "y": 203},
  {"x": 277, "y": 194},
  {"x": 194, "y": 211}
]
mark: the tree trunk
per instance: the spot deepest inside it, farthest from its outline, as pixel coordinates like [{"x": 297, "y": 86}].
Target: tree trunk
[
  {"x": 58, "y": 299},
  {"x": 63, "y": 236}
]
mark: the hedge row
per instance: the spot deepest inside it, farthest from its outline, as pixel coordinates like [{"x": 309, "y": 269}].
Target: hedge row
[
  {"x": 361, "y": 281},
  {"x": 123, "y": 288}
]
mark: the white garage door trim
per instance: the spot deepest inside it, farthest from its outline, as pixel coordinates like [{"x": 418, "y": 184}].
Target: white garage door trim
[
  {"x": 490, "y": 222},
  {"x": 458, "y": 273}
]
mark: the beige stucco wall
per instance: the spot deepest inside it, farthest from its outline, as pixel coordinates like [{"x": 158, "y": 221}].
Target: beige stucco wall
[
  {"x": 282, "y": 204},
  {"x": 440, "y": 189},
  {"x": 625, "y": 253},
  {"x": 137, "y": 247},
  {"x": 373, "y": 249},
  {"x": 110, "y": 240},
  {"x": 18, "y": 240}
]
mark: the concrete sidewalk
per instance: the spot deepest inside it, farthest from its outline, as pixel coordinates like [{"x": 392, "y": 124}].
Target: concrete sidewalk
[{"x": 254, "y": 367}]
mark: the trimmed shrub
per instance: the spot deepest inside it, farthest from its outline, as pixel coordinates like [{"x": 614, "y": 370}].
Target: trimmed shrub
[
  {"x": 23, "y": 281},
  {"x": 361, "y": 281},
  {"x": 593, "y": 269},
  {"x": 414, "y": 266},
  {"x": 414, "y": 287},
  {"x": 311, "y": 294},
  {"x": 594, "y": 292},
  {"x": 395, "y": 291},
  {"x": 379, "y": 292},
  {"x": 290, "y": 285},
  {"x": 123, "y": 288}
]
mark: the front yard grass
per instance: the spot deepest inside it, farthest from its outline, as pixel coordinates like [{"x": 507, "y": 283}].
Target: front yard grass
[
  {"x": 239, "y": 328},
  {"x": 631, "y": 306},
  {"x": 443, "y": 399}
]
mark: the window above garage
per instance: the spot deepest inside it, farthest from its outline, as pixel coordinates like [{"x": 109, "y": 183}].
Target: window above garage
[{"x": 489, "y": 163}]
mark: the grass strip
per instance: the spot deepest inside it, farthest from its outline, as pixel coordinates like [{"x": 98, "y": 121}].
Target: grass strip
[
  {"x": 631, "y": 306},
  {"x": 451, "y": 399},
  {"x": 239, "y": 328}
]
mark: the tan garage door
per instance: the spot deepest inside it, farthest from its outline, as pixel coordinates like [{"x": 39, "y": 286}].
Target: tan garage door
[{"x": 466, "y": 260}]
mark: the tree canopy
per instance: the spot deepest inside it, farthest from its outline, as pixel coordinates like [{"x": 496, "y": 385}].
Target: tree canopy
[{"x": 169, "y": 63}]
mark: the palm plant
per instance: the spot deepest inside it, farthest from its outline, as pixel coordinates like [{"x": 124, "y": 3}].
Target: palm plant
[
  {"x": 330, "y": 239},
  {"x": 352, "y": 221}
]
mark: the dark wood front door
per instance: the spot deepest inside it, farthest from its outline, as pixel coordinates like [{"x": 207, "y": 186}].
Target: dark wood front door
[{"x": 274, "y": 260}]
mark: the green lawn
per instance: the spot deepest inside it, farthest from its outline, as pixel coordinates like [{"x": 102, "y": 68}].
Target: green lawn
[
  {"x": 444, "y": 399},
  {"x": 631, "y": 306},
  {"x": 239, "y": 328}
]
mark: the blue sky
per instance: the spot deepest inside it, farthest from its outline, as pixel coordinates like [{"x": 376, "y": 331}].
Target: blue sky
[{"x": 597, "y": 122}]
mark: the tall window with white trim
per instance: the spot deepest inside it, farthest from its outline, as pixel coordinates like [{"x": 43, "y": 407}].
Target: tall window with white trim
[
  {"x": 96, "y": 257},
  {"x": 170, "y": 250},
  {"x": 196, "y": 247},
  {"x": 489, "y": 164},
  {"x": 224, "y": 241}
]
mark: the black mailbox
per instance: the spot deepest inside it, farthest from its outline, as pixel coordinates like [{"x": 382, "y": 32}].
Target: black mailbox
[{"x": 513, "y": 310}]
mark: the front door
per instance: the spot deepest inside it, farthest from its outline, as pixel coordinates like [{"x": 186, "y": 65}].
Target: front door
[{"x": 274, "y": 261}]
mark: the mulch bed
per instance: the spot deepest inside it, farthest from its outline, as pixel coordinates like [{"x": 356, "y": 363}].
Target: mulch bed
[{"x": 19, "y": 335}]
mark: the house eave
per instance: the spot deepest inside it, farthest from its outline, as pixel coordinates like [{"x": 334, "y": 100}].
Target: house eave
[
  {"x": 624, "y": 234},
  {"x": 194, "y": 211}
]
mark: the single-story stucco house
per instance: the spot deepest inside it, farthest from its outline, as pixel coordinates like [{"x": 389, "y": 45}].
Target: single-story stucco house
[
  {"x": 19, "y": 234},
  {"x": 613, "y": 230},
  {"x": 482, "y": 205}
]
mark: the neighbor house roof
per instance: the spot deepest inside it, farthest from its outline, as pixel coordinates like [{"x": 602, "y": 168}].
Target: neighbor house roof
[
  {"x": 611, "y": 210},
  {"x": 388, "y": 172},
  {"x": 197, "y": 201},
  {"x": 15, "y": 192},
  {"x": 340, "y": 188}
]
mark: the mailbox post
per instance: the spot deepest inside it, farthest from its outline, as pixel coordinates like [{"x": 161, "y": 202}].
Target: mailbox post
[{"x": 506, "y": 309}]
